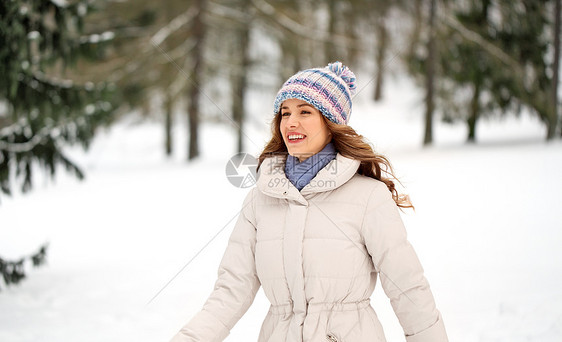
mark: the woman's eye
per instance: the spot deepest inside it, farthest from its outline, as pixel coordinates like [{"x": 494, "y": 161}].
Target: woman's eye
[
  {"x": 305, "y": 112},
  {"x": 285, "y": 114}
]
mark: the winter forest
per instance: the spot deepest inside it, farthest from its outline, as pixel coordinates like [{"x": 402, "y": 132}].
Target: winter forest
[{"x": 118, "y": 119}]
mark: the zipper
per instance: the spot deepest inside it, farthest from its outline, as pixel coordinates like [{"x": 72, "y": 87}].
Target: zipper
[{"x": 331, "y": 338}]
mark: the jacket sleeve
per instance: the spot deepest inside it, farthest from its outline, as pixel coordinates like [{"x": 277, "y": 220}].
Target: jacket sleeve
[
  {"x": 235, "y": 288},
  {"x": 399, "y": 270}
]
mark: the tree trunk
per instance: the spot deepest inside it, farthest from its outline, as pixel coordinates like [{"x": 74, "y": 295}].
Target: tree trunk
[
  {"x": 331, "y": 53},
  {"x": 291, "y": 57},
  {"x": 352, "y": 52},
  {"x": 382, "y": 38},
  {"x": 556, "y": 64},
  {"x": 169, "y": 97},
  {"x": 240, "y": 83},
  {"x": 168, "y": 124},
  {"x": 474, "y": 114},
  {"x": 416, "y": 27},
  {"x": 428, "y": 134},
  {"x": 198, "y": 32}
]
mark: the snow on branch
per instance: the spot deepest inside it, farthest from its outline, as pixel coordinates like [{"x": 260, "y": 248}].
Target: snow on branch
[
  {"x": 25, "y": 146},
  {"x": 97, "y": 38},
  {"x": 61, "y": 83},
  {"x": 13, "y": 271}
]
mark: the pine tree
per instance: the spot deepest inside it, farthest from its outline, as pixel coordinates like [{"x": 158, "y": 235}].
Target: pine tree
[
  {"x": 502, "y": 56},
  {"x": 40, "y": 111},
  {"x": 521, "y": 34},
  {"x": 422, "y": 57},
  {"x": 239, "y": 77},
  {"x": 468, "y": 66}
]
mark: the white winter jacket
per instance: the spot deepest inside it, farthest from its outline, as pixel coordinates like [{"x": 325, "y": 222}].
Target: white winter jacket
[{"x": 317, "y": 254}]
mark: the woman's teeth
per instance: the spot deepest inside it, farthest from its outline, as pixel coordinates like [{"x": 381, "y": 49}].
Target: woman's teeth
[{"x": 296, "y": 136}]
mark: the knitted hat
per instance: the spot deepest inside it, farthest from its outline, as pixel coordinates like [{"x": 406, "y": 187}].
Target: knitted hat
[{"x": 329, "y": 89}]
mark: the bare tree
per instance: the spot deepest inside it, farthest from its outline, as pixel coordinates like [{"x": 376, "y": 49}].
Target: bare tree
[
  {"x": 330, "y": 47},
  {"x": 198, "y": 31},
  {"x": 429, "y": 102},
  {"x": 382, "y": 42},
  {"x": 239, "y": 79}
]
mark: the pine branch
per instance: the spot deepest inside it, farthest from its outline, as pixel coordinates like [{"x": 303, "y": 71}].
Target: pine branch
[
  {"x": 61, "y": 83},
  {"x": 476, "y": 38},
  {"x": 25, "y": 146},
  {"x": 13, "y": 271}
]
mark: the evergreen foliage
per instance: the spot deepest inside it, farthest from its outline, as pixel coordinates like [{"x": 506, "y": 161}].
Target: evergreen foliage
[
  {"x": 14, "y": 271},
  {"x": 498, "y": 53},
  {"x": 522, "y": 34},
  {"x": 156, "y": 52},
  {"x": 41, "y": 112},
  {"x": 470, "y": 68}
]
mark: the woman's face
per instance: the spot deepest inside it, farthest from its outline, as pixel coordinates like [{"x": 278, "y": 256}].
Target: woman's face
[{"x": 303, "y": 129}]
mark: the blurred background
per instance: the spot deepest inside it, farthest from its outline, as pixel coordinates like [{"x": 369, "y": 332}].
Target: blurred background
[{"x": 118, "y": 117}]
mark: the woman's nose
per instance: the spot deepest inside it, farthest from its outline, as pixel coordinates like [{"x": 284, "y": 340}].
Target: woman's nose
[{"x": 292, "y": 121}]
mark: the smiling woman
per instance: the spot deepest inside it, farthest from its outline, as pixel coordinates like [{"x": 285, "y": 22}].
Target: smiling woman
[
  {"x": 318, "y": 230},
  {"x": 303, "y": 128}
]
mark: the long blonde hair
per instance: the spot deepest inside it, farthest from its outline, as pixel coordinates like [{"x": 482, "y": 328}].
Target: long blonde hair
[{"x": 349, "y": 144}]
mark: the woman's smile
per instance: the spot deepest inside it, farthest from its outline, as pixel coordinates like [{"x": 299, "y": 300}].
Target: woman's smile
[{"x": 295, "y": 138}]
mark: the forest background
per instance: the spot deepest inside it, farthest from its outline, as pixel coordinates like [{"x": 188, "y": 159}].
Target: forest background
[{"x": 72, "y": 71}]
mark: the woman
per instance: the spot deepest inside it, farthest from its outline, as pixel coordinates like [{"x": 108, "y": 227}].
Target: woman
[{"x": 319, "y": 227}]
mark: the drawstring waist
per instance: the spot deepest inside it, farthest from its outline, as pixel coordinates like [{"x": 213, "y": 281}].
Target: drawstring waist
[{"x": 318, "y": 307}]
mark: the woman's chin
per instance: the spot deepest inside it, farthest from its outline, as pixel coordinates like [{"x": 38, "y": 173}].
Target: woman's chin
[
  {"x": 296, "y": 152},
  {"x": 301, "y": 155}
]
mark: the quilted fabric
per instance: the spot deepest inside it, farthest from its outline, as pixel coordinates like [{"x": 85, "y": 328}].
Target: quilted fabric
[{"x": 318, "y": 254}]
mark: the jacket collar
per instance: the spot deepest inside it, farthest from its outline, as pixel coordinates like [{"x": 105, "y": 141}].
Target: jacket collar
[{"x": 273, "y": 182}]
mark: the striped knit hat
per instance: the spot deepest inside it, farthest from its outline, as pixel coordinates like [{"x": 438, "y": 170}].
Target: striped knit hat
[{"x": 329, "y": 89}]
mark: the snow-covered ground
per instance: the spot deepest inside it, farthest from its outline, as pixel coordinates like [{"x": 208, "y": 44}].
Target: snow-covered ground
[{"x": 487, "y": 228}]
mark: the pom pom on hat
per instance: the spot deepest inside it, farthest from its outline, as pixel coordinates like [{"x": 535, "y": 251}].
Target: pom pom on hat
[
  {"x": 328, "y": 89},
  {"x": 345, "y": 73}
]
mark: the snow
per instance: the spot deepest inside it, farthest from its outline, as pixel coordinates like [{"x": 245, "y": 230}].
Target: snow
[{"x": 487, "y": 229}]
